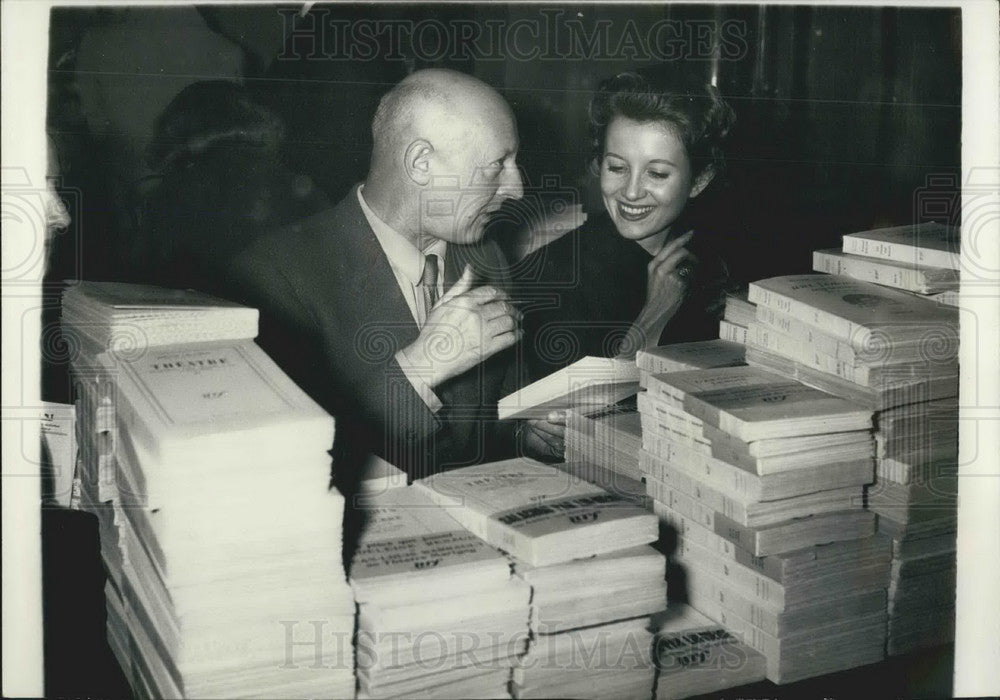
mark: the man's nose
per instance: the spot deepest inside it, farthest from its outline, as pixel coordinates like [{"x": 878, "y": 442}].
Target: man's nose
[
  {"x": 512, "y": 187},
  {"x": 56, "y": 216}
]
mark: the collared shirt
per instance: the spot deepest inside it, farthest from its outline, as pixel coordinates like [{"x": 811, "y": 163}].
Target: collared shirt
[{"x": 407, "y": 263}]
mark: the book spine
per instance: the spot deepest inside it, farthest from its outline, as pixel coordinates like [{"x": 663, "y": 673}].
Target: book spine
[
  {"x": 840, "y": 328},
  {"x": 667, "y": 395},
  {"x": 761, "y": 336},
  {"x": 885, "y": 273},
  {"x": 701, "y": 493},
  {"x": 743, "y": 579},
  {"x": 744, "y": 537},
  {"x": 814, "y": 338},
  {"x": 857, "y": 244},
  {"x": 729, "y": 596},
  {"x": 732, "y": 332},
  {"x": 679, "y": 502},
  {"x": 730, "y": 479}
]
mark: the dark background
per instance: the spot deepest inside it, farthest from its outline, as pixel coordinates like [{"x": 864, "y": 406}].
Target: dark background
[{"x": 848, "y": 118}]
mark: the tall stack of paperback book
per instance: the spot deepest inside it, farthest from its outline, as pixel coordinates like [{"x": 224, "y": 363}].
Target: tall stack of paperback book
[
  {"x": 895, "y": 352},
  {"x": 584, "y": 552},
  {"x": 209, "y": 473},
  {"x": 439, "y": 613},
  {"x": 762, "y": 480}
]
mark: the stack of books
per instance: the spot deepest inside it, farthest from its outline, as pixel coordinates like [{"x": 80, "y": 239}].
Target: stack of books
[
  {"x": 608, "y": 438},
  {"x": 439, "y": 613},
  {"x": 695, "y": 655},
  {"x": 584, "y": 553},
  {"x": 738, "y": 312},
  {"x": 222, "y": 543},
  {"x": 751, "y": 470},
  {"x": 919, "y": 258},
  {"x": 896, "y": 353},
  {"x": 916, "y": 498}
]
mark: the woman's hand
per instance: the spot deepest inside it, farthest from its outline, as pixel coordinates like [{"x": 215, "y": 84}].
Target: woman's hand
[
  {"x": 546, "y": 439},
  {"x": 667, "y": 279},
  {"x": 666, "y": 287}
]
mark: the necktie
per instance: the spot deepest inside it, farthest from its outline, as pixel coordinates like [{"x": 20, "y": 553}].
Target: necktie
[{"x": 429, "y": 282}]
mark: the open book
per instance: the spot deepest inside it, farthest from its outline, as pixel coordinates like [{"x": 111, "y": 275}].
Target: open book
[{"x": 592, "y": 382}]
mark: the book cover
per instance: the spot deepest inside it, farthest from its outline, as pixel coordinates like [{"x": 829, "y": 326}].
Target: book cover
[
  {"x": 753, "y": 404},
  {"x": 177, "y": 395},
  {"x": 855, "y": 311},
  {"x": 407, "y": 535},
  {"x": 539, "y": 513}
]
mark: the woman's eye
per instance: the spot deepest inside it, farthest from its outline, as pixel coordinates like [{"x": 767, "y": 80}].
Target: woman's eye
[
  {"x": 657, "y": 175},
  {"x": 616, "y": 169}
]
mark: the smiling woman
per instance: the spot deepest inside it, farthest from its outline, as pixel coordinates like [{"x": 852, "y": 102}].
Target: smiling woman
[{"x": 639, "y": 274}]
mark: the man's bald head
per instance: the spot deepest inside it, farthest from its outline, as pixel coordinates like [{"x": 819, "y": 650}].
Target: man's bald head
[
  {"x": 444, "y": 156},
  {"x": 429, "y": 104}
]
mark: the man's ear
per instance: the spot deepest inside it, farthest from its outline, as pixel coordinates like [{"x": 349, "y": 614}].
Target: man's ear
[
  {"x": 702, "y": 180},
  {"x": 417, "y": 161}
]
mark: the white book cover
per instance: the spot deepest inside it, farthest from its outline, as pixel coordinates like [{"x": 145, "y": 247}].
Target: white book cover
[
  {"x": 773, "y": 407},
  {"x": 408, "y": 536},
  {"x": 591, "y": 382},
  {"x": 185, "y": 397},
  {"x": 539, "y": 513},
  {"x": 918, "y": 244},
  {"x": 853, "y": 310}
]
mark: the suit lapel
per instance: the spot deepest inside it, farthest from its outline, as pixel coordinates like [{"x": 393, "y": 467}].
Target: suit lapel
[{"x": 379, "y": 299}]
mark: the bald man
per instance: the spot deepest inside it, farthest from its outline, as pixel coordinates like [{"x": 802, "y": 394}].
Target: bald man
[{"x": 390, "y": 309}]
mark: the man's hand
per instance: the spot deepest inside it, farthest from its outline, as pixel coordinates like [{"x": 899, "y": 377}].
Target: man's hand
[
  {"x": 464, "y": 328},
  {"x": 546, "y": 439}
]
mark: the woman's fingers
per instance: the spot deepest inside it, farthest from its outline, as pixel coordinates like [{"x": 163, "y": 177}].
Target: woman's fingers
[{"x": 673, "y": 246}]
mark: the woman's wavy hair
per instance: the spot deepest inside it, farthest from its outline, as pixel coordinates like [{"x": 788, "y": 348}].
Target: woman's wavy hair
[{"x": 692, "y": 108}]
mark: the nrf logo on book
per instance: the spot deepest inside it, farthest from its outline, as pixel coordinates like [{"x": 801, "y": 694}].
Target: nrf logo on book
[
  {"x": 774, "y": 398},
  {"x": 429, "y": 564},
  {"x": 584, "y": 518}
]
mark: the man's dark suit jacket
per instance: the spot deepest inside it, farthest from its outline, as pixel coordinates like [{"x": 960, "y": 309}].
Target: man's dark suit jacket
[{"x": 333, "y": 317}]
